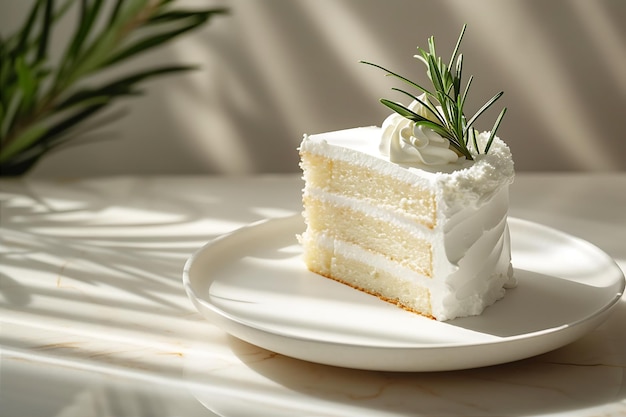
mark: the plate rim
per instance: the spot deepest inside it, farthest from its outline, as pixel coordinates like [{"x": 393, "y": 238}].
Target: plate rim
[{"x": 196, "y": 299}]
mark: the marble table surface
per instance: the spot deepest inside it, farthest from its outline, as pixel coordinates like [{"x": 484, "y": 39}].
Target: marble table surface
[{"x": 94, "y": 320}]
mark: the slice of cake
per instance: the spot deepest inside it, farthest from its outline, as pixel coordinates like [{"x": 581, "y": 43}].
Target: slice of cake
[
  {"x": 413, "y": 212},
  {"x": 435, "y": 243}
]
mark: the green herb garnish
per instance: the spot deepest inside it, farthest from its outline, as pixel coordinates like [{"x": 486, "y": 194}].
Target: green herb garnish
[{"x": 451, "y": 122}]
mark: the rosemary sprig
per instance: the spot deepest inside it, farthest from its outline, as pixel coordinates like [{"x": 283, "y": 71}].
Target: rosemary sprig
[
  {"x": 445, "y": 101},
  {"x": 42, "y": 101}
]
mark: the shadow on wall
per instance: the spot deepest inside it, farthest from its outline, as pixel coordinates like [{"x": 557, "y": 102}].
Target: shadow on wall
[{"x": 273, "y": 70}]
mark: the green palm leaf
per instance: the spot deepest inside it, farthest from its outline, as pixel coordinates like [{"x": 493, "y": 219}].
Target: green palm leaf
[
  {"x": 43, "y": 102},
  {"x": 121, "y": 87}
]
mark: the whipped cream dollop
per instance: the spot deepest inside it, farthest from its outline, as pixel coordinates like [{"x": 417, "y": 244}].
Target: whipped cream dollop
[{"x": 402, "y": 141}]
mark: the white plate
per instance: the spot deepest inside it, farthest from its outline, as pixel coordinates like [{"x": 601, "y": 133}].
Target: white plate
[{"x": 254, "y": 285}]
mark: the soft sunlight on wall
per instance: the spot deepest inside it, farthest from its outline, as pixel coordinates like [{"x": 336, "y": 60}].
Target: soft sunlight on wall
[{"x": 273, "y": 70}]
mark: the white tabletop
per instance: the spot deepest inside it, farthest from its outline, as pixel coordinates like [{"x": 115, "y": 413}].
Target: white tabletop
[{"x": 94, "y": 320}]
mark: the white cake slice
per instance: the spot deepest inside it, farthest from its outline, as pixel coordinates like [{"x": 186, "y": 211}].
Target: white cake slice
[{"x": 433, "y": 240}]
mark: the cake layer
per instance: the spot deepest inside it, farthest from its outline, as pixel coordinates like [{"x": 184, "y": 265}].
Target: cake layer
[
  {"x": 414, "y": 201},
  {"x": 378, "y": 234},
  {"x": 455, "y": 185},
  {"x": 366, "y": 271}
]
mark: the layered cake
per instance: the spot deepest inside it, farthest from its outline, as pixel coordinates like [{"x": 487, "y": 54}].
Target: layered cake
[{"x": 412, "y": 212}]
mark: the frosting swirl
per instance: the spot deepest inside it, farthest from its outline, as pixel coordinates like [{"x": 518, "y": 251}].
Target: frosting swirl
[{"x": 405, "y": 142}]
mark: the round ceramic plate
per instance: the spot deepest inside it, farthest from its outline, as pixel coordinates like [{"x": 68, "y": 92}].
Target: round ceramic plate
[{"x": 254, "y": 285}]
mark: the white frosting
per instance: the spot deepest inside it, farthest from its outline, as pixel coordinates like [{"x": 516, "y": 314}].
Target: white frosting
[
  {"x": 471, "y": 249},
  {"x": 403, "y": 141}
]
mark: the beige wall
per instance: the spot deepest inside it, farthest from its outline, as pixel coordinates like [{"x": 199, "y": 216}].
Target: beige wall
[{"x": 275, "y": 69}]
